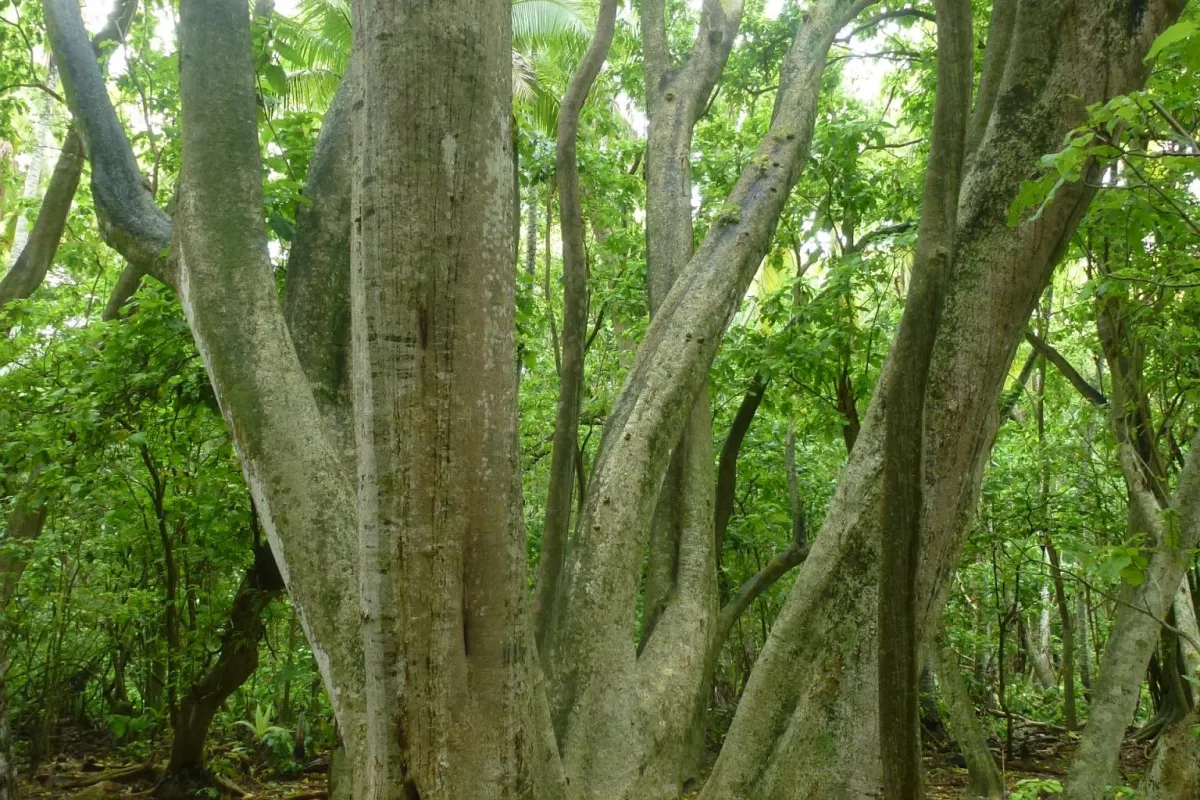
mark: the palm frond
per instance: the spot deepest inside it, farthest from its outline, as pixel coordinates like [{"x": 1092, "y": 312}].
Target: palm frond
[{"x": 537, "y": 22}]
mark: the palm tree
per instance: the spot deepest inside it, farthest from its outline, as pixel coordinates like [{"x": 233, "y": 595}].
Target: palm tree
[{"x": 314, "y": 47}]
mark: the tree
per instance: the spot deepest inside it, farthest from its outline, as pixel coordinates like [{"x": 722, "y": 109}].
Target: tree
[{"x": 430, "y": 664}]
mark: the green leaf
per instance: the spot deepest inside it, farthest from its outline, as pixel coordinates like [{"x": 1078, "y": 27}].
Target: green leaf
[{"x": 1178, "y": 32}]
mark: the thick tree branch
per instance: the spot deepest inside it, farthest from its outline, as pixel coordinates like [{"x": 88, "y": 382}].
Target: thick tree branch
[
  {"x": 592, "y": 647},
  {"x": 129, "y": 220},
  {"x": 31, "y": 266},
  {"x": 999, "y": 39},
  {"x": 1047, "y": 351},
  {"x": 753, "y": 588},
  {"x": 24, "y": 524},
  {"x": 316, "y": 299},
  {"x": 228, "y": 293}
]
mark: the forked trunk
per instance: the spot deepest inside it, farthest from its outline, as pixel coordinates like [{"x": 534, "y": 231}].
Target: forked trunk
[{"x": 789, "y": 737}]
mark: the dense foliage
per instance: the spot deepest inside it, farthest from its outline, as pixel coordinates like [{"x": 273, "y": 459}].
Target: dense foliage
[{"x": 109, "y": 429}]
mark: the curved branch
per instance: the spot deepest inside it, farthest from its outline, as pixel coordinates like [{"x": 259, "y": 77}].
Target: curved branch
[
  {"x": 727, "y": 464},
  {"x": 130, "y": 222},
  {"x": 31, "y": 266},
  {"x": 35, "y": 260},
  {"x": 885, "y": 16}
]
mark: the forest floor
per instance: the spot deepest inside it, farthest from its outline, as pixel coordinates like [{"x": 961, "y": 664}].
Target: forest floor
[{"x": 86, "y": 770}]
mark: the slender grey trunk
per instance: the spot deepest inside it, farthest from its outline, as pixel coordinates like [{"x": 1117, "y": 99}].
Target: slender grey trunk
[
  {"x": 965, "y": 726},
  {"x": 1083, "y": 644},
  {"x": 1138, "y": 621},
  {"x": 564, "y": 454},
  {"x": 531, "y": 232},
  {"x": 903, "y": 480}
]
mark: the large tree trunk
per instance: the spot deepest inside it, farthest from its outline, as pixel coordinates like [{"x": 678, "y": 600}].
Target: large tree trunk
[
  {"x": 236, "y": 661},
  {"x": 1175, "y": 772},
  {"x": 789, "y": 737},
  {"x": 442, "y": 580}
]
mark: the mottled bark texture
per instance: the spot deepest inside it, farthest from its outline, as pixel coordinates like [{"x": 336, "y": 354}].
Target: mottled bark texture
[
  {"x": 904, "y": 407},
  {"x": 789, "y": 737},
  {"x": 228, "y": 293},
  {"x": 442, "y": 551},
  {"x": 236, "y": 661},
  {"x": 129, "y": 220},
  {"x": 1170, "y": 527},
  {"x": 970, "y": 734},
  {"x": 564, "y": 452},
  {"x": 621, "y": 714},
  {"x": 1174, "y": 773}
]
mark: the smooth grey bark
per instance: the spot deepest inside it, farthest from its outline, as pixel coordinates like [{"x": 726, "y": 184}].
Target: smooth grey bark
[
  {"x": 442, "y": 552},
  {"x": 615, "y": 706},
  {"x": 965, "y": 727},
  {"x": 316, "y": 298},
  {"x": 34, "y": 252},
  {"x": 788, "y": 736},
  {"x": 1138, "y": 621},
  {"x": 129, "y": 221},
  {"x": 1084, "y": 644},
  {"x": 564, "y": 451},
  {"x": 904, "y": 410},
  {"x": 37, "y": 255},
  {"x": 229, "y": 298},
  {"x": 1036, "y": 636},
  {"x": 1185, "y": 620},
  {"x": 228, "y": 294},
  {"x": 1171, "y": 527},
  {"x": 675, "y": 99}
]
